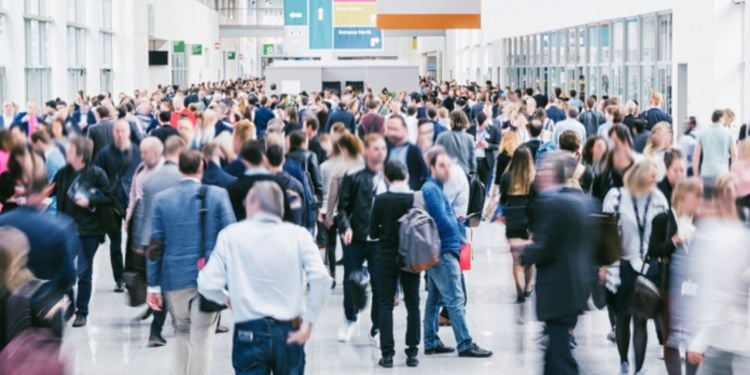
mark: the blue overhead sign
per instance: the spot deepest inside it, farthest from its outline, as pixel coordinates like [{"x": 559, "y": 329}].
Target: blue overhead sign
[
  {"x": 321, "y": 24},
  {"x": 295, "y": 12},
  {"x": 357, "y": 38}
]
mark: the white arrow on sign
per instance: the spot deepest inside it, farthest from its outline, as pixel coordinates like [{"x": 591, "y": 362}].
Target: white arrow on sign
[
  {"x": 374, "y": 41},
  {"x": 320, "y": 13},
  {"x": 295, "y": 15}
]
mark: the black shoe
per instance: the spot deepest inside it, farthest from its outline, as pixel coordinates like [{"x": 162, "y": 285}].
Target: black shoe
[
  {"x": 520, "y": 298},
  {"x": 221, "y": 329},
  {"x": 412, "y": 361},
  {"x": 386, "y": 362},
  {"x": 156, "y": 340},
  {"x": 147, "y": 314},
  {"x": 527, "y": 294},
  {"x": 333, "y": 284},
  {"x": 440, "y": 349},
  {"x": 340, "y": 262},
  {"x": 119, "y": 287},
  {"x": 475, "y": 352},
  {"x": 80, "y": 321}
]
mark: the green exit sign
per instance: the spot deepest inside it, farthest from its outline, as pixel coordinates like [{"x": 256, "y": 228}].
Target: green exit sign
[
  {"x": 197, "y": 49},
  {"x": 231, "y": 55},
  {"x": 178, "y": 46},
  {"x": 268, "y": 49}
]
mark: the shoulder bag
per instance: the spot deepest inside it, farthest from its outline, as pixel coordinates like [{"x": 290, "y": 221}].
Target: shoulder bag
[
  {"x": 205, "y": 305},
  {"x": 647, "y": 297}
]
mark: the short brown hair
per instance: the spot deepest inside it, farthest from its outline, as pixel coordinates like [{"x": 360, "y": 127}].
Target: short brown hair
[
  {"x": 173, "y": 145},
  {"x": 688, "y": 185},
  {"x": 433, "y": 153},
  {"x": 84, "y": 147},
  {"x": 372, "y": 138},
  {"x": 569, "y": 141},
  {"x": 615, "y": 112},
  {"x": 459, "y": 121},
  {"x": 190, "y": 161}
]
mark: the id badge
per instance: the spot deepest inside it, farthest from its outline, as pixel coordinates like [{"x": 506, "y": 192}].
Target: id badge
[{"x": 689, "y": 288}]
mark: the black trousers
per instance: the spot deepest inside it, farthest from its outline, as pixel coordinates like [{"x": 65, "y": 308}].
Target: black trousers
[
  {"x": 389, "y": 275},
  {"x": 483, "y": 171},
  {"x": 558, "y": 359},
  {"x": 115, "y": 252},
  {"x": 331, "y": 240}
]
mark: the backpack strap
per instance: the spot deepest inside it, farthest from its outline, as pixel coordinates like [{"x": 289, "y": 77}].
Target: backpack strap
[
  {"x": 203, "y": 213},
  {"x": 419, "y": 200}
]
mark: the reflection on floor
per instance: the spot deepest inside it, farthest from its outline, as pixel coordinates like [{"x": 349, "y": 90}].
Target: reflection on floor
[{"x": 114, "y": 342}]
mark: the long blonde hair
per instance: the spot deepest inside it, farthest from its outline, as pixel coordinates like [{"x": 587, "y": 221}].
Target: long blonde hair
[
  {"x": 14, "y": 250},
  {"x": 509, "y": 143},
  {"x": 522, "y": 171},
  {"x": 638, "y": 178}
]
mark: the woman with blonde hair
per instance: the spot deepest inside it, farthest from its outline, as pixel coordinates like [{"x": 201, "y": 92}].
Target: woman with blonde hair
[
  {"x": 670, "y": 241},
  {"x": 635, "y": 204},
  {"x": 243, "y": 132},
  {"x": 508, "y": 145},
  {"x": 515, "y": 194},
  {"x": 658, "y": 143}
]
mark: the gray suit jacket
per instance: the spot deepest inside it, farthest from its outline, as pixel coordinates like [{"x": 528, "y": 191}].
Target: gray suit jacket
[
  {"x": 101, "y": 134},
  {"x": 167, "y": 176}
]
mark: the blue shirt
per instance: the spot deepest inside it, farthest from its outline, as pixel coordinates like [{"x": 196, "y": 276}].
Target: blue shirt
[{"x": 437, "y": 205}]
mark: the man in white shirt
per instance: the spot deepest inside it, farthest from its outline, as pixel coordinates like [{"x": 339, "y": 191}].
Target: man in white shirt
[
  {"x": 570, "y": 123},
  {"x": 266, "y": 284}
]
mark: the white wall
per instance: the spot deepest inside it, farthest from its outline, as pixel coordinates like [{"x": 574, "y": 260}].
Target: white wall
[
  {"x": 707, "y": 35},
  {"x": 186, "y": 20}
]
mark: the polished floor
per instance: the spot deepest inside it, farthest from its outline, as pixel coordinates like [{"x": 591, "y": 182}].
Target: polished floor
[{"x": 114, "y": 341}]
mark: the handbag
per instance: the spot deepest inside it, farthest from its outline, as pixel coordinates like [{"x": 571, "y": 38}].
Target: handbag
[
  {"x": 609, "y": 246},
  {"x": 647, "y": 296},
  {"x": 111, "y": 216},
  {"x": 204, "y": 304},
  {"x": 464, "y": 257}
]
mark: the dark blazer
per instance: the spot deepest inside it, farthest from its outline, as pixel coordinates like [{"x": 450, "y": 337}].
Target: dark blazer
[
  {"x": 236, "y": 167},
  {"x": 654, "y": 116},
  {"x": 533, "y": 146},
  {"x": 660, "y": 245},
  {"x": 342, "y": 115},
  {"x": 214, "y": 175},
  {"x": 493, "y": 143},
  {"x": 418, "y": 171},
  {"x": 25, "y": 124},
  {"x": 562, "y": 254},
  {"x": 112, "y": 161},
  {"x": 101, "y": 134},
  {"x": 238, "y": 191},
  {"x": 666, "y": 189},
  {"x": 309, "y": 163},
  {"x": 163, "y": 132}
]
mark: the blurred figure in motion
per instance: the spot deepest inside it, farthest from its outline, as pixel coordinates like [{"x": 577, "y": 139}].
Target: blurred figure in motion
[
  {"x": 722, "y": 268},
  {"x": 670, "y": 242},
  {"x": 563, "y": 258}
]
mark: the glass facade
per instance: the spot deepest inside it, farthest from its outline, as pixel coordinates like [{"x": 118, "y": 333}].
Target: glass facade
[
  {"x": 38, "y": 72},
  {"x": 626, "y": 57},
  {"x": 77, "y": 47}
]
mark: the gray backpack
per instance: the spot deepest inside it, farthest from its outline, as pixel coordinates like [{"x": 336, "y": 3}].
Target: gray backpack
[{"x": 419, "y": 239}]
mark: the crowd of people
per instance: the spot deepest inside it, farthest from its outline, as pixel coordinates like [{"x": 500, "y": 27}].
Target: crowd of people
[{"x": 233, "y": 195}]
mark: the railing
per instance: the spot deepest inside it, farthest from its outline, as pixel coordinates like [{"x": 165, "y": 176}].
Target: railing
[{"x": 252, "y": 16}]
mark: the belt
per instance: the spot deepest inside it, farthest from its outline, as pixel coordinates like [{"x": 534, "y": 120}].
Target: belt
[{"x": 294, "y": 323}]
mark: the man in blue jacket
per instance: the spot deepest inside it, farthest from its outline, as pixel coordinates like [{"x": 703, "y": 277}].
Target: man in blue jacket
[
  {"x": 444, "y": 278},
  {"x": 262, "y": 116},
  {"x": 173, "y": 270}
]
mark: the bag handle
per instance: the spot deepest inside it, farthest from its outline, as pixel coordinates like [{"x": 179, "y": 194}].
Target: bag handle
[{"x": 202, "y": 213}]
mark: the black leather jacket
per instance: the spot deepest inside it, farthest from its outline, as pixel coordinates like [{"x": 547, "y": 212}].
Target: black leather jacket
[
  {"x": 355, "y": 203},
  {"x": 309, "y": 162}
]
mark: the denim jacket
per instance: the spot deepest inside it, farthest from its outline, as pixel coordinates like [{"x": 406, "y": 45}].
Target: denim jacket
[{"x": 437, "y": 205}]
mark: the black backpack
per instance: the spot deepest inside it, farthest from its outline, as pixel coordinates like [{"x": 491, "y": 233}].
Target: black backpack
[{"x": 477, "y": 195}]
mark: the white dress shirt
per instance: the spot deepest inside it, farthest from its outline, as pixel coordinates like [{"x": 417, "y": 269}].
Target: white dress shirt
[{"x": 266, "y": 263}]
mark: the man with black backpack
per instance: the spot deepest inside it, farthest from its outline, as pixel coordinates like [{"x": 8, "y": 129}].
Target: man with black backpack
[{"x": 387, "y": 210}]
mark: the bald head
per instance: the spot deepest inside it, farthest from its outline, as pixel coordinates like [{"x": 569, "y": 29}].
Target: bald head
[
  {"x": 151, "y": 151},
  {"x": 121, "y": 134}
]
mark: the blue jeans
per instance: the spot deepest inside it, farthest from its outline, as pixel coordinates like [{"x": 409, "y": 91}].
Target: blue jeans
[
  {"x": 354, "y": 257},
  {"x": 260, "y": 348},
  {"x": 444, "y": 287},
  {"x": 85, "y": 265}
]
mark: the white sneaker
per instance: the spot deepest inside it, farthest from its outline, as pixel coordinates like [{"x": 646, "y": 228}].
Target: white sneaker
[
  {"x": 375, "y": 340},
  {"x": 346, "y": 331}
]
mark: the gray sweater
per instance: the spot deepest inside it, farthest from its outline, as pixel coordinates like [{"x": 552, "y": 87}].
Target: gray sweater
[{"x": 460, "y": 146}]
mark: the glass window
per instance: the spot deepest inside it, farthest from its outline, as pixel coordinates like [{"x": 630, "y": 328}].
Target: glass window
[
  {"x": 36, "y": 43},
  {"x": 553, "y": 43},
  {"x": 107, "y": 14},
  {"x": 582, "y": 46},
  {"x": 539, "y": 52},
  {"x": 545, "y": 48},
  {"x": 604, "y": 40},
  {"x": 76, "y": 47},
  {"x": 562, "y": 40},
  {"x": 633, "y": 83},
  {"x": 36, "y": 7},
  {"x": 106, "y": 50},
  {"x": 618, "y": 87},
  {"x": 634, "y": 42},
  {"x": 593, "y": 45},
  {"x": 76, "y": 11},
  {"x": 572, "y": 46},
  {"x": 649, "y": 85},
  {"x": 648, "y": 29},
  {"x": 618, "y": 39},
  {"x": 106, "y": 80},
  {"x": 665, "y": 38}
]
